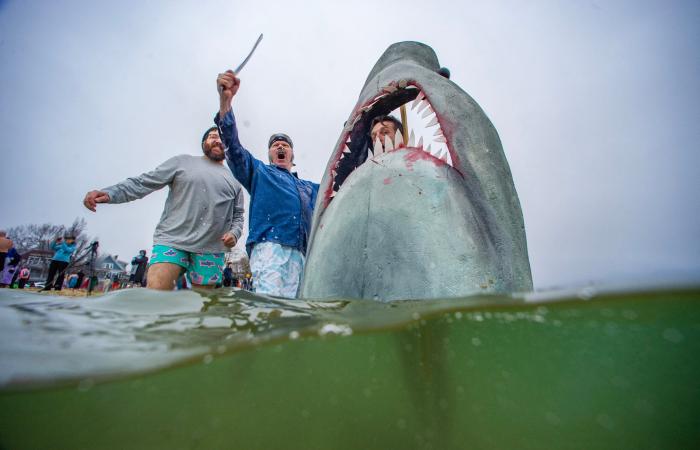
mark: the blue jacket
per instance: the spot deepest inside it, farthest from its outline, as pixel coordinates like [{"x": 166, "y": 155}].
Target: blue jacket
[
  {"x": 281, "y": 205},
  {"x": 63, "y": 251}
]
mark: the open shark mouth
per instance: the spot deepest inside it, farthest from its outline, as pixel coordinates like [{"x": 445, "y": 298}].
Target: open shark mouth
[
  {"x": 431, "y": 213},
  {"x": 356, "y": 148}
]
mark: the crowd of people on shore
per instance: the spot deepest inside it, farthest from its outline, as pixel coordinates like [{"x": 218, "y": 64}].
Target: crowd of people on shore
[
  {"x": 11, "y": 271},
  {"x": 61, "y": 275}
]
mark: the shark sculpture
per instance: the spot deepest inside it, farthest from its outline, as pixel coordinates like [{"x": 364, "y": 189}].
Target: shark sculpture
[{"x": 404, "y": 220}]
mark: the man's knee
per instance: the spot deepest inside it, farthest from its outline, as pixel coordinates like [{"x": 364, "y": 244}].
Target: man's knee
[{"x": 162, "y": 276}]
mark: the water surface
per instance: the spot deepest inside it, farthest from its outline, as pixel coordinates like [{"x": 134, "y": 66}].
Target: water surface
[{"x": 228, "y": 369}]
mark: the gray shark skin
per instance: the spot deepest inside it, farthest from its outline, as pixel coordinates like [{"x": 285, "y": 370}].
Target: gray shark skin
[{"x": 406, "y": 223}]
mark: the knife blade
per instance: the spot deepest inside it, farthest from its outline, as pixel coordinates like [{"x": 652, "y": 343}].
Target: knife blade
[{"x": 245, "y": 61}]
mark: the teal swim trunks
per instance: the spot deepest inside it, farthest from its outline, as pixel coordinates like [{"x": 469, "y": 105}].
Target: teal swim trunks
[{"x": 203, "y": 268}]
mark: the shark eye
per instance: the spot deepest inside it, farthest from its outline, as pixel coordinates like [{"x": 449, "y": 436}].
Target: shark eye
[{"x": 362, "y": 142}]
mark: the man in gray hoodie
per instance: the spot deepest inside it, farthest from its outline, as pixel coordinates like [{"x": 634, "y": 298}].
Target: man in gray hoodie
[{"x": 202, "y": 218}]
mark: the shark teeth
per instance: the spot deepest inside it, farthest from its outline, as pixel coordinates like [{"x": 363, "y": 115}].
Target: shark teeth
[
  {"x": 398, "y": 140},
  {"x": 388, "y": 143},
  {"x": 378, "y": 149},
  {"x": 421, "y": 118},
  {"x": 420, "y": 97}
]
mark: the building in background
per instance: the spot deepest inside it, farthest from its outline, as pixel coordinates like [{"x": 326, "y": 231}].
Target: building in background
[
  {"x": 239, "y": 262},
  {"x": 37, "y": 261},
  {"x": 110, "y": 266}
]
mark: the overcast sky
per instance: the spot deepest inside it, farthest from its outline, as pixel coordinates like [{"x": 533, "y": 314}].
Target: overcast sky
[{"x": 597, "y": 105}]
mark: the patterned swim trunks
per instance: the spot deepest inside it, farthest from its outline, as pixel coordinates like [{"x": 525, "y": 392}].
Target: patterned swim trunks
[
  {"x": 277, "y": 269},
  {"x": 203, "y": 268}
]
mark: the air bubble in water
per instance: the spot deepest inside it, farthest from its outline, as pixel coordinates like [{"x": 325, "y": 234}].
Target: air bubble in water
[
  {"x": 86, "y": 384},
  {"x": 673, "y": 335},
  {"x": 586, "y": 293}
]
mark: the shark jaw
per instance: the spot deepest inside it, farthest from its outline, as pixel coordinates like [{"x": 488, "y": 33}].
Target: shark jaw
[
  {"x": 390, "y": 97},
  {"x": 429, "y": 217}
]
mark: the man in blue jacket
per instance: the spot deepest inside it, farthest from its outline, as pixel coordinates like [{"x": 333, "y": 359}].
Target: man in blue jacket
[
  {"x": 57, "y": 269},
  {"x": 281, "y": 205}
]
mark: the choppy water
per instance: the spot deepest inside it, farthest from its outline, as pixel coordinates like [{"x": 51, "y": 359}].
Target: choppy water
[{"x": 228, "y": 369}]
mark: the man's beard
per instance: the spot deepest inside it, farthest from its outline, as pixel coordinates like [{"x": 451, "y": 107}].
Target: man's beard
[{"x": 214, "y": 157}]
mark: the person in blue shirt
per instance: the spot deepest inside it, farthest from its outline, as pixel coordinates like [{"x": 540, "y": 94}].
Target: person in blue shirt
[
  {"x": 281, "y": 204},
  {"x": 61, "y": 258}
]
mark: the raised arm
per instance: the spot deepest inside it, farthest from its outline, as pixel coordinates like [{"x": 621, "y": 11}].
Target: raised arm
[{"x": 240, "y": 161}]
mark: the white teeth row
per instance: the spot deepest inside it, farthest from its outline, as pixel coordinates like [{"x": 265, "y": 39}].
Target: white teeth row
[
  {"x": 346, "y": 151},
  {"x": 422, "y": 108},
  {"x": 418, "y": 99},
  {"x": 441, "y": 153},
  {"x": 423, "y": 105}
]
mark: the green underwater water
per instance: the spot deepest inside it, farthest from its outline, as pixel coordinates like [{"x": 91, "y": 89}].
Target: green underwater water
[{"x": 601, "y": 370}]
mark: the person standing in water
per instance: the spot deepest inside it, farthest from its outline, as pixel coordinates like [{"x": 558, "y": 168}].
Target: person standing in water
[
  {"x": 281, "y": 204},
  {"x": 202, "y": 218}
]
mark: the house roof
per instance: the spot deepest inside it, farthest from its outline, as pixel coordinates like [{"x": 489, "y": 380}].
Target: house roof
[{"x": 109, "y": 259}]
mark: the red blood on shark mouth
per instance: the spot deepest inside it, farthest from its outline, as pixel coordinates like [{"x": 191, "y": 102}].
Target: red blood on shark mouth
[{"x": 425, "y": 132}]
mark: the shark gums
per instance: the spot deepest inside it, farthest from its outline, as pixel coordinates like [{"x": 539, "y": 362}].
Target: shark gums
[{"x": 405, "y": 220}]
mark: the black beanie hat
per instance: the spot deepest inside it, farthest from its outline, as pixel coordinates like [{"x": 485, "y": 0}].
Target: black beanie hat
[
  {"x": 279, "y": 137},
  {"x": 206, "y": 133}
]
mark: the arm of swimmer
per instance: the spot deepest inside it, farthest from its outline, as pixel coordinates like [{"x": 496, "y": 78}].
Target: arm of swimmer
[
  {"x": 241, "y": 162},
  {"x": 237, "y": 216},
  {"x": 134, "y": 188}
]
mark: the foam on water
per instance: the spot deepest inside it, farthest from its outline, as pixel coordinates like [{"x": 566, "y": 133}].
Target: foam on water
[{"x": 53, "y": 340}]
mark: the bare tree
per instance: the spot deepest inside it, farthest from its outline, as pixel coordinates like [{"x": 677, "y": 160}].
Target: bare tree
[
  {"x": 39, "y": 237},
  {"x": 33, "y": 237},
  {"x": 82, "y": 242}
]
